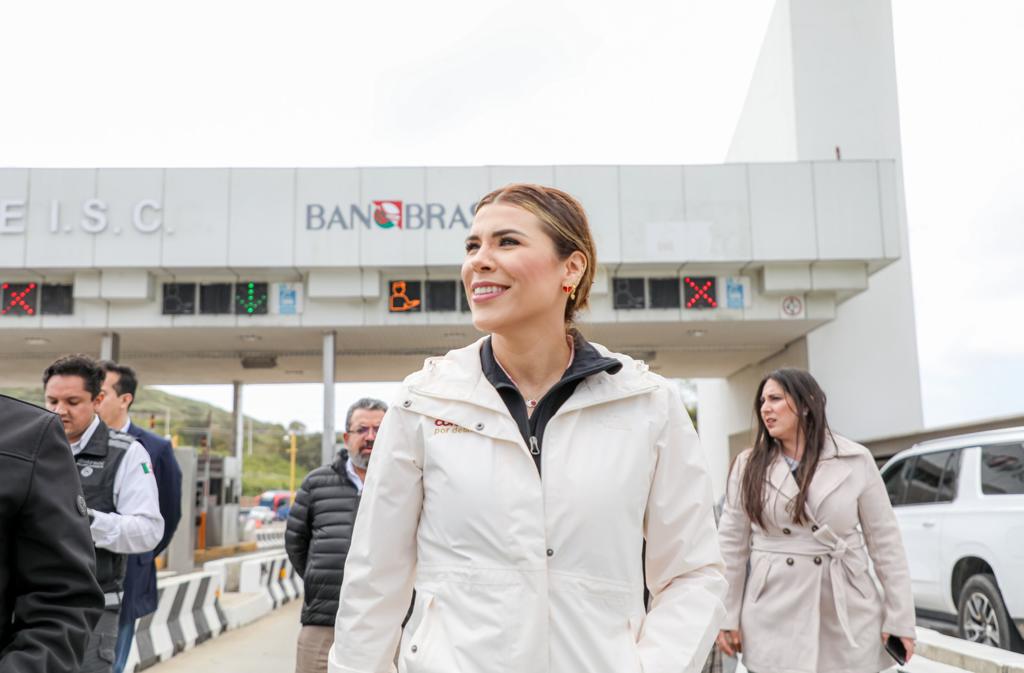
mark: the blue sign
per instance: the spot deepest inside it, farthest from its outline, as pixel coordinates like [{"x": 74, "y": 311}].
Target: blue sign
[
  {"x": 287, "y": 299},
  {"x": 735, "y": 294}
]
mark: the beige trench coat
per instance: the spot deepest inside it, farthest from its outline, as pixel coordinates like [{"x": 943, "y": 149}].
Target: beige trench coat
[{"x": 810, "y": 604}]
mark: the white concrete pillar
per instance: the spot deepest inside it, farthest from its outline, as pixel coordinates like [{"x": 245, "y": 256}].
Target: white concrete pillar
[
  {"x": 713, "y": 428},
  {"x": 110, "y": 347},
  {"x": 327, "y": 439},
  {"x": 237, "y": 432}
]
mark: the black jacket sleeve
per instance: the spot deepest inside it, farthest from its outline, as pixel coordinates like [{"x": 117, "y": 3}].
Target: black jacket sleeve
[
  {"x": 51, "y": 561},
  {"x": 297, "y": 532},
  {"x": 168, "y": 482}
]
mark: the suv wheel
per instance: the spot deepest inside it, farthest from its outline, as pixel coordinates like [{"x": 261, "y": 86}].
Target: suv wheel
[{"x": 982, "y": 615}]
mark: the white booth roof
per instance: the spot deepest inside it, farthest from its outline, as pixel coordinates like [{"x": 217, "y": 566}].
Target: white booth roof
[{"x": 782, "y": 243}]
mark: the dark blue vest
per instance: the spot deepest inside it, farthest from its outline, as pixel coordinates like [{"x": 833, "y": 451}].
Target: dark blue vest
[{"x": 97, "y": 467}]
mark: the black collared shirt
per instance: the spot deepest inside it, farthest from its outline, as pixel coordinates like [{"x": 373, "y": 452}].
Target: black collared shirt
[{"x": 586, "y": 361}]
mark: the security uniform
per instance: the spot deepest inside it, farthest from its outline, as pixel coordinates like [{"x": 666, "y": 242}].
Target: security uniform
[
  {"x": 121, "y": 494},
  {"x": 97, "y": 466}
]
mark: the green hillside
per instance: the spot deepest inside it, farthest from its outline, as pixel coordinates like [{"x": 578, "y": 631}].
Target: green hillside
[{"x": 190, "y": 421}]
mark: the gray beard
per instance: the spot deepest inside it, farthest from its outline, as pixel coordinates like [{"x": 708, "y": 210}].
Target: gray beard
[{"x": 359, "y": 460}]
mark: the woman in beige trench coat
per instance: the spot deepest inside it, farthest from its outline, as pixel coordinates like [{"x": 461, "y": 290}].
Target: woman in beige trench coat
[{"x": 807, "y": 509}]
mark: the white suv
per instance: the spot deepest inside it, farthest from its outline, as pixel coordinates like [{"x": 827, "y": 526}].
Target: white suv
[{"x": 960, "y": 506}]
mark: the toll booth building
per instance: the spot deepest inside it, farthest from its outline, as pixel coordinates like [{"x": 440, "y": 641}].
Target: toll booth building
[{"x": 714, "y": 272}]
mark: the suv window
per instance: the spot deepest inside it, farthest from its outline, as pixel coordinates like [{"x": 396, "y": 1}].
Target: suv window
[
  {"x": 950, "y": 477},
  {"x": 1002, "y": 469},
  {"x": 928, "y": 481},
  {"x": 896, "y": 480}
]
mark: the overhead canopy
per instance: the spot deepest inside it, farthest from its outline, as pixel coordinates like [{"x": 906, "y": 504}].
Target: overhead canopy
[{"x": 210, "y": 276}]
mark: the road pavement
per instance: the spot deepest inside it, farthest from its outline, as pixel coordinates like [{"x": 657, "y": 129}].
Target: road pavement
[
  {"x": 269, "y": 645},
  {"x": 265, "y": 645}
]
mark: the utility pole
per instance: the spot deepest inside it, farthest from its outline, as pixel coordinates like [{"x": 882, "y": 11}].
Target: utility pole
[{"x": 291, "y": 483}]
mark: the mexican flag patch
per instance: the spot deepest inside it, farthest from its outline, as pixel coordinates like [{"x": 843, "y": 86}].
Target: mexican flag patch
[{"x": 145, "y": 468}]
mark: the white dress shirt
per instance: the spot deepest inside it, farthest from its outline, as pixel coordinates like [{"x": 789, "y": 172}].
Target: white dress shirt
[
  {"x": 353, "y": 476},
  {"x": 136, "y": 526}
]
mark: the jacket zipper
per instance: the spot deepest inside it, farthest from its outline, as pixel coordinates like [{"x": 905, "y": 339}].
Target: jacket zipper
[{"x": 534, "y": 446}]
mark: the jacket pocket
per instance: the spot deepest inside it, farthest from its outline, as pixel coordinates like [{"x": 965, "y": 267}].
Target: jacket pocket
[
  {"x": 758, "y": 579},
  {"x": 428, "y": 649}
]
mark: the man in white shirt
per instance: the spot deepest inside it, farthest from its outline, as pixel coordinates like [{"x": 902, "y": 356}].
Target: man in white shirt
[
  {"x": 140, "y": 586},
  {"x": 117, "y": 480}
]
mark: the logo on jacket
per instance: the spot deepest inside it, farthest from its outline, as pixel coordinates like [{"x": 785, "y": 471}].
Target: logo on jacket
[
  {"x": 87, "y": 466},
  {"x": 444, "y": 427}
]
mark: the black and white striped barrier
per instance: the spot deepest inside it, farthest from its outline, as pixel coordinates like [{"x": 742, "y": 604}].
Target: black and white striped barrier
[
  {"x": 255, "y": 584},
  {"x": 270, "y": 536},
  {"x": 272, "y": 574},
  {"x": 188, "y": 613}
]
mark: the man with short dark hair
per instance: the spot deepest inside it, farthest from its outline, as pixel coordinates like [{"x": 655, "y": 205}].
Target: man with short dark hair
[
  {"x": 320, "y": 530},
  {"x": 49, "y": 598},
  {"x": 118, "y": 485},
  {"x": 119, "y": 387}
]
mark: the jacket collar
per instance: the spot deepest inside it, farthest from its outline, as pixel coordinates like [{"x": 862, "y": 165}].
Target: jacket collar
[
  {"x": 586, "y": 361},
  {"x": 97, "y": 444},
  {"x": 340, "y": 467},
  {"x": 454, "y": 388},
  {"x": 832, "y": 470},
  {"x": 338, "y": 464}
]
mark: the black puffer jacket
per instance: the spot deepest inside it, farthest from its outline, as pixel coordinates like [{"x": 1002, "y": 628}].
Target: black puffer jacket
[{"x": 318, "y": 536}]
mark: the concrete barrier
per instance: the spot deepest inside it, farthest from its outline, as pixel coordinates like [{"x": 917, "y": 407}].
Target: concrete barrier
[
  {"x": 270, "y": 536},
  {"x": 273, "y": 575},
  {"x": 230, "y": 569},
  {"x": 188, "y": 613},
  {"x": 969, "y": 656},
  {"x": 191, "y": 608},
  {"x": 255, "y": 584}
]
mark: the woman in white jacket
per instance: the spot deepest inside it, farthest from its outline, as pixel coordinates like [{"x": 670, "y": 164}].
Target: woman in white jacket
[{"x": 515, "y": 482}]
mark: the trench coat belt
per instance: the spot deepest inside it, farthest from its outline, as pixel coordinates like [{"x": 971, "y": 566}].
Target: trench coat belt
[{"x": 843, "y": 565}]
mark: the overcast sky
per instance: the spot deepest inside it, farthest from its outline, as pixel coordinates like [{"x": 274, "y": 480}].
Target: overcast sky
[{"x": 456, "y": 82}]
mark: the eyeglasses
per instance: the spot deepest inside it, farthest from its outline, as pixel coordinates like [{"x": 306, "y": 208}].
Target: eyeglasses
[{"x": 365, "y": 430}]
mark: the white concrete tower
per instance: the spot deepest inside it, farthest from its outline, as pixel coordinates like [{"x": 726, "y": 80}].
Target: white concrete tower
[{"x": 824, "y": 89}]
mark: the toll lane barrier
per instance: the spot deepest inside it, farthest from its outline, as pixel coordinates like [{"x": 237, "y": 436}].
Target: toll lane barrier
[
  {"x": 270, "y": 536},
  {"x": 188, "y": 613},
  {"x": 191, "y": 608},
  {"x": 273, "y": 575},
  {"x": 255, "y": 584}
]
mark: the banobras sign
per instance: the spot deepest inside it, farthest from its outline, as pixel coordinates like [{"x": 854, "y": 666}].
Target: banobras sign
[
  {"x": 388, "y": 214},
  {"x": 146, "y": 216}
]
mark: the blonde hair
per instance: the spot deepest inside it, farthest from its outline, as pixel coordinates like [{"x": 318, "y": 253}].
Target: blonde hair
[{"x": 564, "y": 221}]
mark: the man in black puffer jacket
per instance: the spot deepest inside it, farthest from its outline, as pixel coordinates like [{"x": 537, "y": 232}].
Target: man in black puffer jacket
[{"x": 320, "y": 530}]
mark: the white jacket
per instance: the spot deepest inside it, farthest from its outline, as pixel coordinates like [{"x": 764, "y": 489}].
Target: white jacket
[{"x": 518, "y": 574}]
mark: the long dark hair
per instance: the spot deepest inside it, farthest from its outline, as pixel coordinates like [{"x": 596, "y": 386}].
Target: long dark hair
[{"x": 809, "y": 401}]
